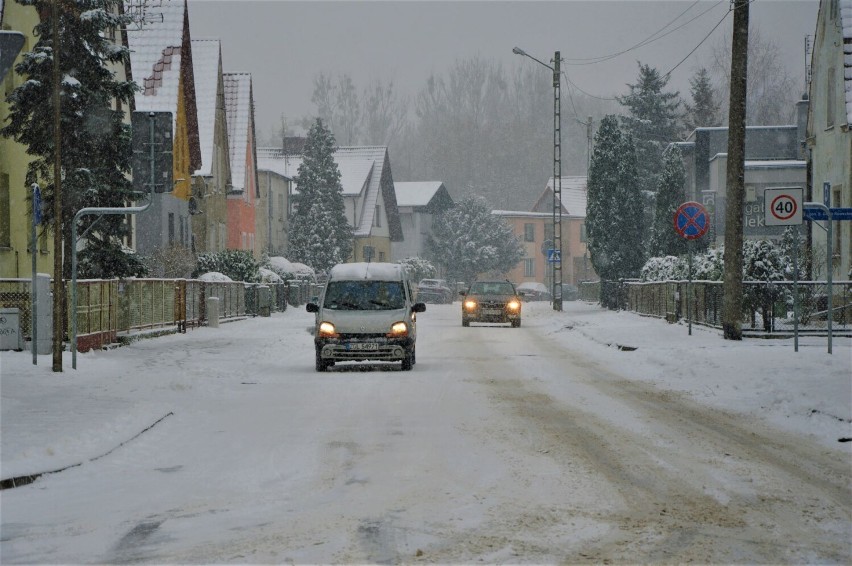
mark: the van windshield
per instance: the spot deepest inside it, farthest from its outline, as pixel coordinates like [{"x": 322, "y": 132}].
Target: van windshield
[{"x": 364, "y": 295}]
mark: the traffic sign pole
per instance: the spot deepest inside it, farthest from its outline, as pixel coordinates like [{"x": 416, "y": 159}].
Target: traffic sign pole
[{"x": 691, "y": 221}]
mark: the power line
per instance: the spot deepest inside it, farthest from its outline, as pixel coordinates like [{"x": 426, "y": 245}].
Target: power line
[
  {"x": 699, "y": 44},
  {"x": 650, "y": 39}
]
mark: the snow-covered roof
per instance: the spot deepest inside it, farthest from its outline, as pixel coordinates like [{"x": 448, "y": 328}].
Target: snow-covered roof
[
  {"x": 238, "y": 108},
  {"x": 416, "y": 193},
  {"x": 523, "y": 213},
  {"x": 573, "y": 194},
  {"x": 767, "y": 163},
  {"x": 206, "y": 54},
  {"x": 361, "y": 169},
  {"x": 375, "y": 271},
  {"x": 155, "y": 56},
  {"x": 846, "y": 21}
]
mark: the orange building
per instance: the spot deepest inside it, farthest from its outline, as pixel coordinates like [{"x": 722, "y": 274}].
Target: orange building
[
  {"x": 535, "y": 231},
  {"x": 243, "y": 194}
]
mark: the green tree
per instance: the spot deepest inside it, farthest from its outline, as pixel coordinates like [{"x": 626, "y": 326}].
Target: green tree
[
  {"x": 613, "y": 225},
  {"x": 664, "y": 240},
  {"x": 470, "y": 240},
  {"x": 239, "y": 265},
  {"x": 320, "y": 235},
  {"x": 95, "y": 142},
  {"x": 704, "y": 110},
  {"x": 654, "y": 120}
]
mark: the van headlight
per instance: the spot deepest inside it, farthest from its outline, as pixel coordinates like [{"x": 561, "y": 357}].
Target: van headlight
[
  {"x": 398, "y": 330},
  {"x": 513, "y": 305},
  {"x": 327, "y": 330},
  {"x": 469, "y": 305}
]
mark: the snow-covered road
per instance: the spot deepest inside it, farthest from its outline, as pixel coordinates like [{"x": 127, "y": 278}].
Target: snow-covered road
[{"x": 503, "y": 445}]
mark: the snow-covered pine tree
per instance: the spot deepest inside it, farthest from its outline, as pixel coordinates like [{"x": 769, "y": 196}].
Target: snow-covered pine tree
[
  {"x": 613, "y": 218},
  {"x": 654, "y": 120},
  {"x": 95, "y": 144},
  {"x": 470, "y": 240},
  {"x": 664, "y": 240},
  {"x": 704, "y": 110},
  {"x": 320, "y": 235}
]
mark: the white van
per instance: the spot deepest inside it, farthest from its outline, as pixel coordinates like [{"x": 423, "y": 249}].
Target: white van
[{"x": 366, "y": 312}]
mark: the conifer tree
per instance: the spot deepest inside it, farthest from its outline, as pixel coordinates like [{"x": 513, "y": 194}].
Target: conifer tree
[
  {"x": 613, "y": 215},
  {"x": 95, "y": 145},
  {"x": 704, "y": 110},
  {"x": 664, "y": 240},
  {"x": 653, "y": 120},
  {"x": 320, "y": 235},
  {"x": 470, "y": 240}
]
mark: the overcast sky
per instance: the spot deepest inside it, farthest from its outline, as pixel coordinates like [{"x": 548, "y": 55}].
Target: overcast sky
[{"x": 285, "y": 44}]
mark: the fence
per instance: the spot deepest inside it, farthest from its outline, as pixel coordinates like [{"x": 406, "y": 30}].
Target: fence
[
  {"x": 767, "y": 306},
  {"x": 108, "y": 309}
]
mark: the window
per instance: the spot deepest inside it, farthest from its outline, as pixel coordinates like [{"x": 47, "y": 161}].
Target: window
[
  {"x": 377, "y": 220},
  {"x": 5, "y": 213},
  {"x": 381, "y": 256},
  {"x": 182, "y": 231},
  {"x": 548, "y": 231},
  {"x": 583, "y": 236},
  {"x": 171, "y": 228},
  {"x": 529, "y": 267},
  {"x": 829, "y": 99},
  {"x": 837, "y": 228},
  {"x": 529, "y": 232}
]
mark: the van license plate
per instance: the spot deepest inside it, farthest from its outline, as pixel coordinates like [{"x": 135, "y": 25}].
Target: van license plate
[
  {"x": 362, "y": 346},
  {"x": 492, "y": 311}
]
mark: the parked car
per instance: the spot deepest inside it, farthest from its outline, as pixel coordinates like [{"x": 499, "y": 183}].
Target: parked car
[
  {"x": 434, "y": 291},
  {"x": 533, "y": 291},
  {"x": 491, "y": 301},
  {"x": 570, "y": 292},
  {"x": 366, "y": 312}
]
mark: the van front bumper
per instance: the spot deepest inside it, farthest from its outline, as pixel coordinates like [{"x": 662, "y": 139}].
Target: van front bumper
[{"x": 363, "y": 348}]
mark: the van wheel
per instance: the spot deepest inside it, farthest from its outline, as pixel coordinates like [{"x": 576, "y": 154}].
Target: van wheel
[
  {"x": 321, "y": 364},
  {"x": 465, "y": 322},
  {"x": 516, "y": 323},
  {"x": 408, "y": 360}
]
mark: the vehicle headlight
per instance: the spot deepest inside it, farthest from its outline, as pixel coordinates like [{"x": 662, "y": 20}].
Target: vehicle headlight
[
  {"x": 513, "y": 305},
  {"x": 470, "y": 305},
  {"x": 398, "y": 330},
  {"x": 327, "y": 330}
]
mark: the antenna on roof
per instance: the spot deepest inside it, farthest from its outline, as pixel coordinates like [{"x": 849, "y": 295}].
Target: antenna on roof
[{"x": 142, "y": 13}]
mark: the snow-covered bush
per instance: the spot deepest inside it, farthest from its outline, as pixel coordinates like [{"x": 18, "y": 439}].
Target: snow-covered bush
[
  {"x": 214, "y": 277},
  {"x": 418, "y": 268},
  {"x": 290, "y": 270},
  {"x": 239, "y": 265}
]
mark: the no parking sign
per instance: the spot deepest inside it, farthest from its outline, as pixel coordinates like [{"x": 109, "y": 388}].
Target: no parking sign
[{"x": 691, "y": 220}]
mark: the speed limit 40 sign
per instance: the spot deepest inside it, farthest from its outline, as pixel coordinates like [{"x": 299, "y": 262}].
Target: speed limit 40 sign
[{"x": 783, "y": 206}]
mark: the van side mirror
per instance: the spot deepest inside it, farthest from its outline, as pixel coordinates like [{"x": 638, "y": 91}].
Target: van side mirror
[
  {"x": 312, "y": 307},
  {"x": 418, "y": 307}
]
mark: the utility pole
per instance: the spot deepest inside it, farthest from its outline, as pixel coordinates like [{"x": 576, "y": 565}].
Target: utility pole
[
  {"x": 557, "y": 184},
  {"x": 58, "y": 285},
  {"x": 589, "y": 130},
  {"x": 735, "y": 179}
]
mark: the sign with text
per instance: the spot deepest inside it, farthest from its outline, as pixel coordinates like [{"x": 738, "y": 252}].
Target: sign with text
[{"x": 783, "y": 206}]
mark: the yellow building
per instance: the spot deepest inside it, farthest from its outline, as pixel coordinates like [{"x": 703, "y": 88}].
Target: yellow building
[{"x": 15, "y": 210}]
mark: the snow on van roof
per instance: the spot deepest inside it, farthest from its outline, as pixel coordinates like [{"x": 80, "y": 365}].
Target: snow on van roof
[{"x": 378, "y": 271}]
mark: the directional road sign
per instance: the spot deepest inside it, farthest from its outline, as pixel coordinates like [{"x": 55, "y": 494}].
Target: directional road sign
[
  {"x": 813, "y": 213},
  {"x": 691, "y": 220},
  {"x": 783, "y": 206}
]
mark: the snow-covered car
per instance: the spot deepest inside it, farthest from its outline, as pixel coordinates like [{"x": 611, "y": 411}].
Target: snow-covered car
[
  {"x": 366, "y": 313},
  {"x": 434, "y": 291},
  {"x": 533, "y": 291},
  {"x": 491, "y": 301}
]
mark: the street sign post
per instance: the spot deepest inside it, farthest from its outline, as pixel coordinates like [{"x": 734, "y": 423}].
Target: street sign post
[{"x": 691, "y": 221}]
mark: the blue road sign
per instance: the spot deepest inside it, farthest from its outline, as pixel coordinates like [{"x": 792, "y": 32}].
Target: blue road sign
[
  {"x": 554, "y": 256},
  {"x": 36, "y": 205},
  {"x": 691, "y": 220},
  {"x": 813, "y": 213}
]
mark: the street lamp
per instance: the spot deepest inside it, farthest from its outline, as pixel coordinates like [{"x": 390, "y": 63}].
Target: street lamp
[{"x": 556, "y": 258}]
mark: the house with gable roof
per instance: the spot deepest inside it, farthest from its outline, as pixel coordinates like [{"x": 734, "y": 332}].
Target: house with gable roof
[
  {"x": 275, "y": 173},
  {"x": 534, "y": 228},
  {"x": 368, "y": 195},
  {"x": 161, "y": 64},
  {"x": 208, "y": 204},
  {"x": 243, "y": 193},
  {"x": 418, "y": 202},
  {"x": 15, "y": 210},
  {"x": 829, "y": 139}
]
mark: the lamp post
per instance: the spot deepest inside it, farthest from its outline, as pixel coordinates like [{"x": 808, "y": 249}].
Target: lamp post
[{"x": 556, "y": 258}]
